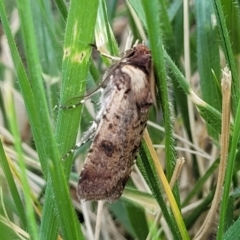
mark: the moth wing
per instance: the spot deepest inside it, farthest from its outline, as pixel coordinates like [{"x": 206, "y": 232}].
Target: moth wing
[{"x": 117, "y": 139}]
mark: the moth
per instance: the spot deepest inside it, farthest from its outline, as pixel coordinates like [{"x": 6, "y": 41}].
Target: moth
[{"x": 117, "y": 131}]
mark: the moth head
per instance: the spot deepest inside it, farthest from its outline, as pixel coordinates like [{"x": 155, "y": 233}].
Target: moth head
[{"x": 139, "y": 56}]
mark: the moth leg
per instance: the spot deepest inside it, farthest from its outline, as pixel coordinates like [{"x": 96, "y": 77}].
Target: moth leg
[
  {"x": 70, "y": 106},
  {"x": 88, "y": 135},
  {"x": 114, "y": 58},
  {"x": 83, "y": 100}
]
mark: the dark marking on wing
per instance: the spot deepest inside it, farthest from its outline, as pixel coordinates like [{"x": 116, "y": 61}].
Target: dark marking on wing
[{"x": 107, "y": 147}]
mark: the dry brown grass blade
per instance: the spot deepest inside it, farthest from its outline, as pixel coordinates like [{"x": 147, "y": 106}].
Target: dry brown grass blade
[{"x": 226, "y": 94}]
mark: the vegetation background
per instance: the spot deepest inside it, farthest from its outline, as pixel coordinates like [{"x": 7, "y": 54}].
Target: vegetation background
[{"x": 46, "y": 60}]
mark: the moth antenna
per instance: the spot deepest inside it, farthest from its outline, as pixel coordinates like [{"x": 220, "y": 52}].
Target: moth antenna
[{"x": 86, "y": 137}]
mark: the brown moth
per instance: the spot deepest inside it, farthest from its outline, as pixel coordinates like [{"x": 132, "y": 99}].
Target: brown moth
[{"x": 117, "y": 131}]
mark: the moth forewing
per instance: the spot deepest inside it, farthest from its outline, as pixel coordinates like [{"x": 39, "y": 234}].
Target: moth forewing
[{"x": 125, "y": 104}]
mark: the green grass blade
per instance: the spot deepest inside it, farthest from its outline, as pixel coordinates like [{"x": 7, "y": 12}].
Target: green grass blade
[
  {"x": 12, "y": 187},
  {"x": 227, "y": 49},
  {"x": 233, "y": 232},
  {"x": 105, "y": 39},
  {"x": 210, "y": 114},
  {"x": 49, "y": 48},
  {"x": 79, "y": 34},
  {"x": 21, "y": 74},
  {"x": 232, "y": 18},
  {"x": 29, "y": 206},
  {"x": 138, "y": 221},
  {"x": 168, "y": 39},
  {"x": 48, "y": 228},
  {"x": 203, "y": 206},
  {"x": 70, "y": 229},
  {"x": 154, "y": 32},
  {"x": 77, "y": 50},
  {"x": 208, "y": 57},
  {"x": 176, "y": 213},
  {"x": 137, "y": 6},
  {"x": 67, "y": 217},
  {"x": 199, "y": 185},
  {"x": 149, "y": 172},
  {"x": 229, "y": 173},
  {"x": 45, "y": 146},
  {"x": 62, "y": 8}
]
